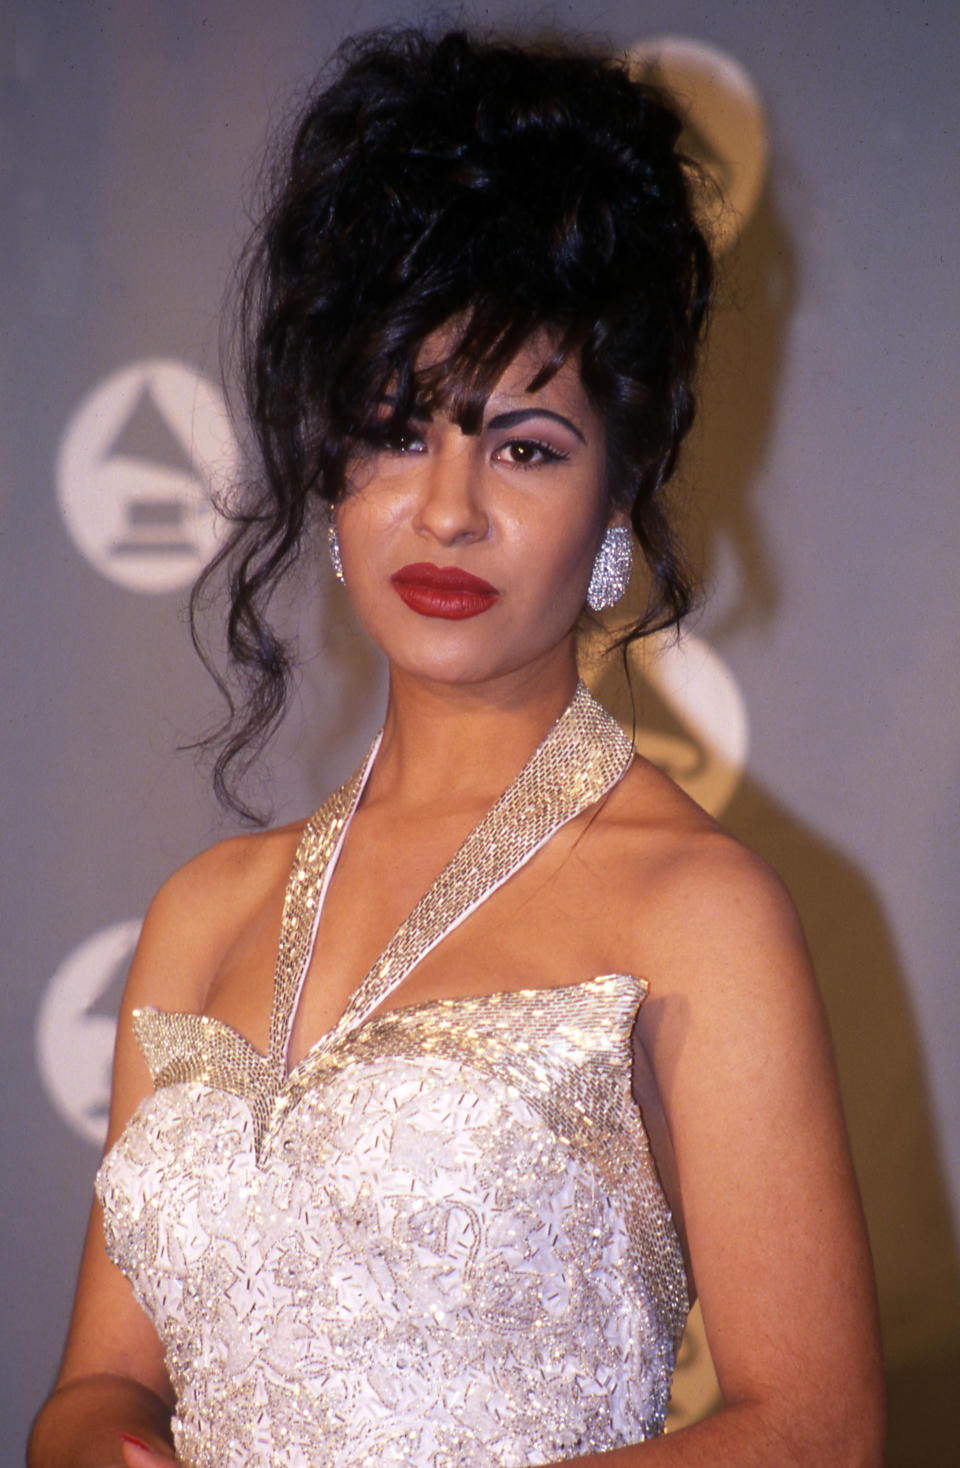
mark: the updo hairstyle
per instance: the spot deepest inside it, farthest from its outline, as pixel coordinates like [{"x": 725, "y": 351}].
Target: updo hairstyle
[{"x": 503, "y": 190}]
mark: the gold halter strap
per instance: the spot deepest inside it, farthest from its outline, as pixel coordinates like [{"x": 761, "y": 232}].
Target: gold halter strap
[{"x": 582, "y": 756}]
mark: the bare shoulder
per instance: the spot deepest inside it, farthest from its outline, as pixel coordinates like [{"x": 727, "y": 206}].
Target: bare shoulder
[
  {"x": 200, "y": 911},
  {"x": 735, "y": 1079},
  {"x": 707, "y": 909}
]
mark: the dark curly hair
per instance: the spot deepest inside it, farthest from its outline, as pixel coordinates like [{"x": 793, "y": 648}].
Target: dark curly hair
[{"x": 507, "y": 190}]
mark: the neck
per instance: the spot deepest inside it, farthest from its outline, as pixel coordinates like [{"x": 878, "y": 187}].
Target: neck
[{"x": 459, "y": 744}]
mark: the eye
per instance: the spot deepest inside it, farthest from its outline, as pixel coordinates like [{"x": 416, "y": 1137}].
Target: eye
[
  {"x": 403, "y": 441},
  {"x": 393, "y": 438},
  {"x": 529, "y": 453}
]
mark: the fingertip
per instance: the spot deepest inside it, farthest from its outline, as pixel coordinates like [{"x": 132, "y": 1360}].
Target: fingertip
[{"x": 136, "y": 1454}]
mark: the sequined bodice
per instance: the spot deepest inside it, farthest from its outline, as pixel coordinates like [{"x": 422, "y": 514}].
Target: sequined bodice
[{"x": 440, "y": 1239}]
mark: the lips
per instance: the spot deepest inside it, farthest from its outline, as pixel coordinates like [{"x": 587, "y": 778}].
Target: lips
[{"x": 443, "y": 591}]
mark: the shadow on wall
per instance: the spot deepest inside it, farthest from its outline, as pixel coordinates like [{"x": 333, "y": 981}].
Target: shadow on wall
[
  {"x": 736, "y": 413},
  {"x": 875, "y": 1039},
  {"x": 888, "y": 1115}
]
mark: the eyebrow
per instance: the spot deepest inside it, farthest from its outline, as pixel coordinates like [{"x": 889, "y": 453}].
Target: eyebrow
[
  {"x": 521, "y": 415},
  {"x": 503, "y": 420}
]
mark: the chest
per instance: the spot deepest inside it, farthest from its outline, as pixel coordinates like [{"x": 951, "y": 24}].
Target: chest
[{"x": 549, "y": 925}]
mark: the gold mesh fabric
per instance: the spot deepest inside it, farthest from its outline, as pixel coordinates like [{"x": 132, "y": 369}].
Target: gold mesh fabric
[{"x": 582, "y": 756}]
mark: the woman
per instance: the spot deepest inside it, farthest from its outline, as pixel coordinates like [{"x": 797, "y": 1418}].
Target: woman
[{"x": 387, "y": 1196}]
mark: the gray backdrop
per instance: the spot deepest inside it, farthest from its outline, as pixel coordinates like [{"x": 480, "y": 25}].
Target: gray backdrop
[{"x": 816, "y": 707}]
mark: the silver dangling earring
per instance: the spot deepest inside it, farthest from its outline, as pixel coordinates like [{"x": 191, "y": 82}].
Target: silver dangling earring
[
  {"x": 611, "y": 569},
  {"x": 333, "y": 546}
]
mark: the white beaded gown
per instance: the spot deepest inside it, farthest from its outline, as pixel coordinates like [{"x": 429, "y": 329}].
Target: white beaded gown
[{"x": 440, "y": 1238}]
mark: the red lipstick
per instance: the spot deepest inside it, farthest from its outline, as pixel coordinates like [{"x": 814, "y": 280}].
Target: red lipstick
[{"x": 443, "y": 591}]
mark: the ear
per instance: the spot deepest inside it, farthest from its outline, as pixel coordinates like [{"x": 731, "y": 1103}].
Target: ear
[{"x": 618, "y": 516}]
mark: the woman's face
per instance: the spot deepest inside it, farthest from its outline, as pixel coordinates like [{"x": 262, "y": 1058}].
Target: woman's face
[{"x": 467, "y": 556}]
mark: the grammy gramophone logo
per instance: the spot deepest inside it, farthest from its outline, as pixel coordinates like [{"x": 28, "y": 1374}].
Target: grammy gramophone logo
[
  {"x": 76, "y": 1025},
  {"x": 140, "y": 462}
]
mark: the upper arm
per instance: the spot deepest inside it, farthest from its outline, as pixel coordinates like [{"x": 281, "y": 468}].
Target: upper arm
[
  {"x": 737, "y": 1040},
  {"x": 186, "y": 929}
]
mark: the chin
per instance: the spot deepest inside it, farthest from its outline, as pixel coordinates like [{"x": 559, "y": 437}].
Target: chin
[
  {"x": 455, "y": 666},
  {"x": 473, "y": 650},
  {"x": 456, "y": 671}
]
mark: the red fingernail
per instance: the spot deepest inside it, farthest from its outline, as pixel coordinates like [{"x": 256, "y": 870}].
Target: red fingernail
[{"x": 128, "y": 1437}]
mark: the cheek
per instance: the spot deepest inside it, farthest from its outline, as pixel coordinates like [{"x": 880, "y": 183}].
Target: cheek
[
  {"x": 365, "y": 526},
  {"x": 559, "y": 555}
]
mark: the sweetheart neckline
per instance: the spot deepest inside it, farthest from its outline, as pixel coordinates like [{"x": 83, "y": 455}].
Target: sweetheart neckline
[{"x": 328, "y": 1040}]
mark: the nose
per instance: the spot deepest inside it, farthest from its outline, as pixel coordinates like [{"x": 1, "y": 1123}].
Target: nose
[{"x": 450, "y": 502}]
